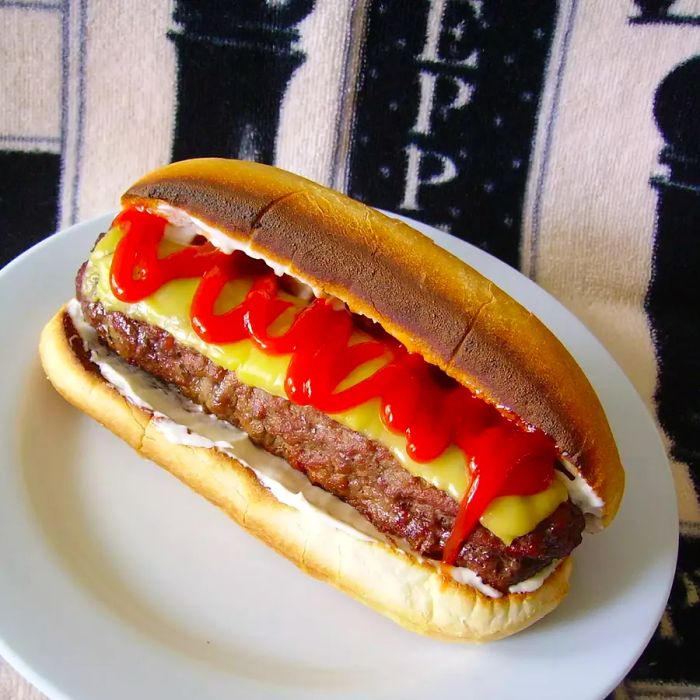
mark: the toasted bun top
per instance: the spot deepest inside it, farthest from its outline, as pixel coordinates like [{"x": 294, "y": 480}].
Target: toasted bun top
[{"x": 426, "y": 298}]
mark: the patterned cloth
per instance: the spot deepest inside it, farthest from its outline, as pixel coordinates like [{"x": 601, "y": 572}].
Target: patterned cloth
[{"x": 563, "y": 137}]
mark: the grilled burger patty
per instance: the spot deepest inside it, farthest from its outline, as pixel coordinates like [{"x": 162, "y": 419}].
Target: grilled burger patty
[{"x": 360, "y": 471}]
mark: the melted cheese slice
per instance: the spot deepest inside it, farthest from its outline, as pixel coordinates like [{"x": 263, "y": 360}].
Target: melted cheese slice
[{"x": 507, "y": 517}]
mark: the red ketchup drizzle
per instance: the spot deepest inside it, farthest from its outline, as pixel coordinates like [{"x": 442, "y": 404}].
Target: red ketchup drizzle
[{"x": 416, "y": 399}]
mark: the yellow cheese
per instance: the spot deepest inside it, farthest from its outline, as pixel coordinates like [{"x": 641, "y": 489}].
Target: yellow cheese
[
  {"x": 512, "y": 516},
  {"x": 507, "y": 517}
]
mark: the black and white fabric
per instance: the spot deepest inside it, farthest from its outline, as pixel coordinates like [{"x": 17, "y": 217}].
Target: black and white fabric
[{"x": 561, "y": 136}]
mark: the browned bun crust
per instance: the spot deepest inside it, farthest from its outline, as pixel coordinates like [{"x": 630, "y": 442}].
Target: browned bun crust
[
  {"x": 413, "y": 593},
  {"x": 422, "y": 295}
]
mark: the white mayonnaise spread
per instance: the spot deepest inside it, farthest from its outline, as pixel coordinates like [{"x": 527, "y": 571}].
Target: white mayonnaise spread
[
  {"x": 534, "y": 582},
  {"x": 184, "y": 235},
  {"x": 466, "y": 576},
  {"x": 583, "y": 496},
  {"x": 184, "y": 227},
  {"x": 183, "y": 422}
]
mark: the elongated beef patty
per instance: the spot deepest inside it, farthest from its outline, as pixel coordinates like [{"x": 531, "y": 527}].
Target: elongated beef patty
[{"x": 358, "y": 470}]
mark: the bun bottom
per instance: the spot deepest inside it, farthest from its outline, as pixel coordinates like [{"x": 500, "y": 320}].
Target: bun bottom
[{"x": 413, "y": 593}]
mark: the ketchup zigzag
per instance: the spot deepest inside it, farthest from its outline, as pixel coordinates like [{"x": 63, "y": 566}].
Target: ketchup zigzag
[{"x": 416, "y": 399}]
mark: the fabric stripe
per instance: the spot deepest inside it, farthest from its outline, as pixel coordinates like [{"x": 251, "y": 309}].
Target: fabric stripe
[
  {"x": 539, "y": 167},
  {"x": 127, "y": 92},
  {"x": 348, "y": 95},
  {"x": 662, "y": 691},
  {"x": 45, "y": 144},
  {"x": 72, "y": 107},
  {"x": 30, "y": 82},
  {"x": 29, "y": 139},
  {"x": 24, "y": 5},
  {"x": 317, "y": 110},
  {"x": 80, "y": 125},
  {"x": 690, "y": 528},
  {"x": 65, "y": 58}
]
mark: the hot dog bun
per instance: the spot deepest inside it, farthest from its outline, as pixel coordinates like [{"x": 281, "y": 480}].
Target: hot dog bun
[
  {"x": 410, "y": 591},
  {"x": 422, "y": 295}
]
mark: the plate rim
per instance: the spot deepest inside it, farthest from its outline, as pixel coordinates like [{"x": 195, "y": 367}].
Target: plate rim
[{"x": 45, "y": 685}]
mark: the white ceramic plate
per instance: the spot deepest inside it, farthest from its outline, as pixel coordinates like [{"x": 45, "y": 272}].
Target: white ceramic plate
[{"x": 118, "y": 582}]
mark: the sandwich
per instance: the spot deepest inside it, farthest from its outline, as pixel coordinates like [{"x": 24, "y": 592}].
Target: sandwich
[{"x": 349, "y": 392}]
